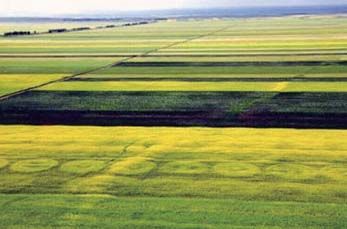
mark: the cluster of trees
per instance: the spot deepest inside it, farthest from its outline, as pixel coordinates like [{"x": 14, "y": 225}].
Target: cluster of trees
[
  {"x": 17, "y": 33},
  {"x": 57, "y": 30},
  {"x": 136, "y": 23},
  {"x": 81, "y": 28},
  {"x": 67, "y": 30},
  {"x": 63, "y": 30}
]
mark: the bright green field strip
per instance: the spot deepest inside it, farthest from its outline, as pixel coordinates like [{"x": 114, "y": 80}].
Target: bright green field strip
[
  {"x": 12, "y": 83},
  {"x": 295, "y": 70},
  {"x": 51, "y": 65},
  {"x": 238, "y": 76},
  {"x": 218, "y": 163},
  {"x": 259, "y": 58},
  {"x": 198, "y": 86},
  {"x": 102, "y": 211}
]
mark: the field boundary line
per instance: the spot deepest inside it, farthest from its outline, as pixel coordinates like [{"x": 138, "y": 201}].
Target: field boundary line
[{"x": 66, "y": 78}]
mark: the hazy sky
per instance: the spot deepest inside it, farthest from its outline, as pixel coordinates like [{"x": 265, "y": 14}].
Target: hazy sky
[{"x": 56, "y": 7}]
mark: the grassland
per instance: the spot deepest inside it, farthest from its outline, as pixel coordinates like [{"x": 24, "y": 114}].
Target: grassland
[
  {"x": 165, "y": 212},
  {"x": 261, "y": 72}
]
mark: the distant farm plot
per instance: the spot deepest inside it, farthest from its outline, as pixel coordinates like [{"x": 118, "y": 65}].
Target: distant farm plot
[
  {"x": 20, "y": 73},
  {"x": 51, "y": 65},
  {"x": 215, "y": 71}
]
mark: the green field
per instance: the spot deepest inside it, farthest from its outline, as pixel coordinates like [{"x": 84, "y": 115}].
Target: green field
[
  {"x": 69, "y": 157},
  {"x": 20, "y": 73}
]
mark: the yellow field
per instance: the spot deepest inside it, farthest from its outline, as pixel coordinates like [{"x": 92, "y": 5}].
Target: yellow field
[{"x": 200, "y": 86}]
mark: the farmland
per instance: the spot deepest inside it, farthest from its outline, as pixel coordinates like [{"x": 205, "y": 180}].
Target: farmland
[
  {"x": 193, "y": 123},
  {"x": 161, "y": 169}
]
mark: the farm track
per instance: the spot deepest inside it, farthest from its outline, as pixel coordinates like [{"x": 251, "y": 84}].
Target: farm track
[{"x": 10, "y": 95}]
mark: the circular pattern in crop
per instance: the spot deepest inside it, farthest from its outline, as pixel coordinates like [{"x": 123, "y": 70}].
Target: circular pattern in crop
[
  {"x": 3, "y": 163},
  {"x": 81, "y": 167},
  {"x": 184, "y": 167},
  {"x": 291, "y": 171},
  {"x": 32, "y": 166},
  {"x": 335, "y": 172},
  {"x": 235, "y": 169},
  {"x": 138, "y": 168}
]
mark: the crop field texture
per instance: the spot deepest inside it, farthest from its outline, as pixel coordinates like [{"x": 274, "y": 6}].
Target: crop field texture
[{"x": 196, "y": 123}]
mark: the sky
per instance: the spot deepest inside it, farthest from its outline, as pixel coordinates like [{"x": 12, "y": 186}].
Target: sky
[{"x": 61, "y": 7}]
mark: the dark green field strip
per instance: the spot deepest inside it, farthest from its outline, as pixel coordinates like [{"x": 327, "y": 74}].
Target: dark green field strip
[
  {"x": 214, "y": 79},
  {"x": 128, "y": 101},
  {"x": 76, "y": 211},
  {"x": 230, "y": 64},
  {"x": 225, "y": 109},
  {"x": 303, "y": 102}
]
